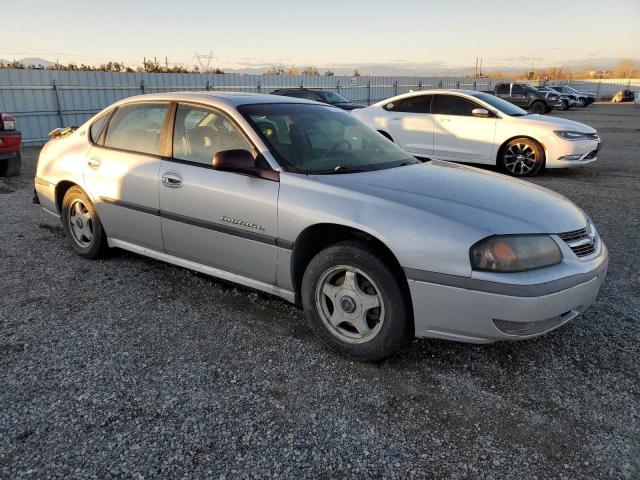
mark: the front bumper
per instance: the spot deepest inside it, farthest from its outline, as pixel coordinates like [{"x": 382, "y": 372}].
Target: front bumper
[
  {"x": 567, "y": 154},
  {"x": 483, "y": 316}
]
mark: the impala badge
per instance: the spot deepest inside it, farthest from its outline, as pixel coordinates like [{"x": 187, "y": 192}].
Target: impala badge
[{"x": 235, "y": 221}]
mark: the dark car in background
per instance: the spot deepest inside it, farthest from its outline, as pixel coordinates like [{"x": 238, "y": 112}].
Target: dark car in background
[
  {"x": 525, "y": 96},
  {"x": 10, "y": 142},
  {"x": 582, "y": 98},
  {"x": 324, "y": 96},
  {"x": 565, "y": 102}
]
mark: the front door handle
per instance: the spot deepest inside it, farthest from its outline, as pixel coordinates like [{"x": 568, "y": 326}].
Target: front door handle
[
  {"x": 171, "y": 179},
  {"x": 93, "y": 162}
]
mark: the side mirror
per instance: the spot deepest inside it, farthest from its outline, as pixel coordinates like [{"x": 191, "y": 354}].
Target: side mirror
[
  {"x": 480, "y": 112},
  {"x": 242, "y": 162}
]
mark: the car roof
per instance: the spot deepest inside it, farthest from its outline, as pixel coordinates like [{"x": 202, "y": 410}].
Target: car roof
[
  {"x": 429, "y": 92},
  {"x": 216, "y": 99}
]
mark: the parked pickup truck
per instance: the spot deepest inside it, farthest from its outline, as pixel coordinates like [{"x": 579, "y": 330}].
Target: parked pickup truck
[
  {"x": 10, "y": 141},
  {"x": 525, "y": 96}
]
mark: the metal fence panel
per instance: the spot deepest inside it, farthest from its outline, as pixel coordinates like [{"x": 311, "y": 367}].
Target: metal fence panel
[{"x": 45, "y": 99}]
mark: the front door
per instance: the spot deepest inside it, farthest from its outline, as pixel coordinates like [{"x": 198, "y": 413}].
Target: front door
[
  {"x": 458, "y": 135},
  {"x": 121, "y": 174},
  {"x": 220, "y": 219}
]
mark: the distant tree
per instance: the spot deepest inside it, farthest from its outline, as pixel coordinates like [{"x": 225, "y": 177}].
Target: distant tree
[
  {"x": 356, "y": 73},
  {"x": 274, "y": 71},
  {"x": 292, "y": 71},
  {"x": 328, "y": 73},
  {"x": 624, "y": 68},
  {"x": 310, "y": 72}
]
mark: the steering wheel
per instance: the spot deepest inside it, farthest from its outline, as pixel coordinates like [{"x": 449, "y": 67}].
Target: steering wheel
[{"x": 335, "y": 146}]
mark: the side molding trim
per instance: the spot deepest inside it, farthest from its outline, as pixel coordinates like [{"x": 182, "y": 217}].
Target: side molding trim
[{"x": 198, "y": 267}]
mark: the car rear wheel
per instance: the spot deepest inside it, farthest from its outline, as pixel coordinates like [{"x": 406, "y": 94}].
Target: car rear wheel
[
  {"x": 582, "y": 102},
  {"x": 82, "y": 225},
  {"x": 11, "y": 166},
  {"x": 355, "y": 303},
  {"x": 522, "y": 157},
  {"x": 564, "y": 105}
]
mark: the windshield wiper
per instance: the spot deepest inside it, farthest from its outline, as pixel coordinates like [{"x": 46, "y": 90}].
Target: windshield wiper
[{"x": 342, "y": 169}]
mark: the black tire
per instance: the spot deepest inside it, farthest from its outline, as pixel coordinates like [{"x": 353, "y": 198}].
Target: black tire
[
  {"x": 582, "y": 102},
  {"x": 564, "y": 105},
  {"x": 548, "y": 109},
  {"x": 509, "y": 161},
  {"x": 388, "y": 286},
  {"x": 539, "y": 107},
  {"x": 11, "y": 166},
  {"x": 96, "y": 246}
]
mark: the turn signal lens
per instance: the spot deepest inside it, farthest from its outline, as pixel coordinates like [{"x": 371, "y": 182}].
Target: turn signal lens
[{"x": 515, "y": 253}]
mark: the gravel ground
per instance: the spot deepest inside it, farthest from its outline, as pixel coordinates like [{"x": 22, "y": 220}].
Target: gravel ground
[{"x": 131, "y": 368}]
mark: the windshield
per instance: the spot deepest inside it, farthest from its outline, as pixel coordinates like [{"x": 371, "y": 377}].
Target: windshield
[
  {"x": 316, "y": 139},
  {"x": 334, "y": 98},
  {"x": 500, "y": 104}
]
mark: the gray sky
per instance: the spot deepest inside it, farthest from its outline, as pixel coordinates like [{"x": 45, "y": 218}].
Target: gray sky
[{"x": 246, "y": 33}]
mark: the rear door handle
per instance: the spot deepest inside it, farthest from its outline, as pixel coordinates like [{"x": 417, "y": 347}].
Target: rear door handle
[
  {"x": 171, "y": 179},
  {"x": 93, "y": 162}
]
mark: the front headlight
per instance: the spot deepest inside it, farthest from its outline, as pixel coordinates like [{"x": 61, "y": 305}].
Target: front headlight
[
  {"x": 570, "y": 135},
  {"x": 511, "y": 253}
]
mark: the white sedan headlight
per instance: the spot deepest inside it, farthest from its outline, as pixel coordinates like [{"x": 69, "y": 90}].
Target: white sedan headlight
[
  {"x": 570, "y": 135},
  {"x": 515, "y": 253}
]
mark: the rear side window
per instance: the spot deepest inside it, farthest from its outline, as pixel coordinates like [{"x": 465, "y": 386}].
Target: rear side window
[
  {"x": 518, "y": 90},
  {"x": 96, "y": 127},
  {"x": 453, "y": 105},
  {"x": 502, "y": 89},
  {"x": 137, "y": 128},
  {"x": 418, "y": 104}
]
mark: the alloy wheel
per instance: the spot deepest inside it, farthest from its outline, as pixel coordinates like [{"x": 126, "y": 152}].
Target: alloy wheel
[
  {"x": 520, "y": 159},
  {"x": 80, "y": 223},
  {"x": 350, "y": 304}
]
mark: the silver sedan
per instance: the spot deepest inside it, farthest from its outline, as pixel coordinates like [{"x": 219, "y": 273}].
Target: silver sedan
[{"x": 303, "y": 201}]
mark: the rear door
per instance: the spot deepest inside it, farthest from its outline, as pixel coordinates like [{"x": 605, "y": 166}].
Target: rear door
[
  {"x": 411, "y": 124},
  {"x": 220, "y": 219},
  {"x": 121, "y": 172},
  {"x": 458, "y": 135},
  {"x": 519, "y": 96}
]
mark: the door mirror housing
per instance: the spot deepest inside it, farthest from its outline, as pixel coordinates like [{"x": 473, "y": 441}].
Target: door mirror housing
[
  {"x": 243, "y": 162},
  {"x": 480, "y": 112}
]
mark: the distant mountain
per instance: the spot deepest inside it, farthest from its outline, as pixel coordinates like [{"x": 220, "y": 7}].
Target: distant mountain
[{"x": 35, "y": 61}]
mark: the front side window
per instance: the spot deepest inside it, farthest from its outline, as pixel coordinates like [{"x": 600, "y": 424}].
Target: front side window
[
  {"x": 199, "y": 133},
  {"x": 315, "y": 139},
  {"x": 137, "y": 127},
  {"x": 453, "y": 105},
  {"x": 502, "y": 90},
  {"x": 500, "y": 104},
  {"x": 312, "y": 96}
]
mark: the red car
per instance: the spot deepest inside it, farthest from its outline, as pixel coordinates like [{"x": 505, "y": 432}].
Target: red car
[{"x": 10, "y": 141}]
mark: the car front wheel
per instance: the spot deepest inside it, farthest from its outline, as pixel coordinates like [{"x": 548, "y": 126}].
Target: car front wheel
[
  {"x": 539, "y": 107},
  {"x": 82, "y": 225},
  {"x": 355, "y": 303},
  {"x": 521, "y": 157}
]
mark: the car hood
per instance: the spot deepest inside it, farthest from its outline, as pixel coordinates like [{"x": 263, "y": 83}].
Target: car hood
[
  {"x": 557, "y": 123},
  {"x": 488, "y": 202}
]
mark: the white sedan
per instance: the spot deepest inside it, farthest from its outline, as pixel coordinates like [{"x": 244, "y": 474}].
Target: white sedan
[{"x": 477, "y": 127}]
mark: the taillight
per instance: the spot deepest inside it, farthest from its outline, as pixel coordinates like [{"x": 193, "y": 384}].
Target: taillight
[{"x": 8, "y": 122}]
